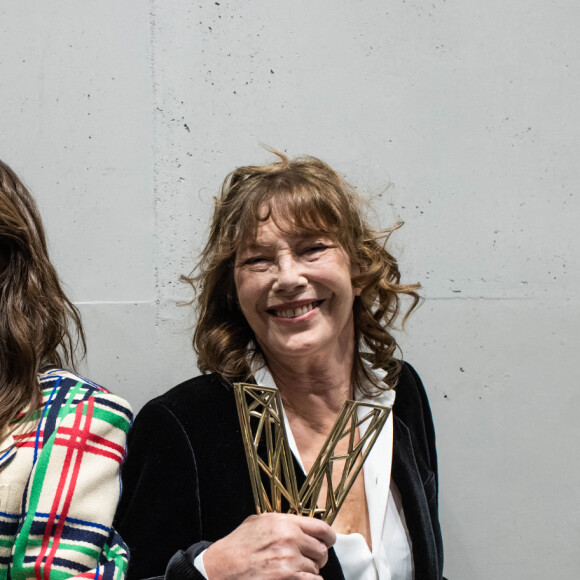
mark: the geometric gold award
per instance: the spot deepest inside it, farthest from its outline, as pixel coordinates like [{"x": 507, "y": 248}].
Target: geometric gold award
[{"x": 272, "y": 470}]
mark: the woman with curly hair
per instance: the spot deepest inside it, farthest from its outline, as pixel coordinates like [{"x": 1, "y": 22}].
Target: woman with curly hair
[
  {"x": 295, "y": 292},
  {"x": 62, "y": 438}
]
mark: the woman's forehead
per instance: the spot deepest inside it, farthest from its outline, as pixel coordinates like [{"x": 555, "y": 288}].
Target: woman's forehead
[{"x": 267, "y": 232}]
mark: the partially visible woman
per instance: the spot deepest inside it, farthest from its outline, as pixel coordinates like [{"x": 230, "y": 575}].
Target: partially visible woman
[{"x": 62, "y": 438}]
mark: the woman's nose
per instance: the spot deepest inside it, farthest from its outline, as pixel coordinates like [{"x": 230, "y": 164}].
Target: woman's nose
[{"x": 289, "y": 274}]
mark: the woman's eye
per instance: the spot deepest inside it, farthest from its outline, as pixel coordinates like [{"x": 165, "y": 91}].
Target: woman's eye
[
  {"x": 316, "y": 248},
  {"x": 255, "y": 261}
]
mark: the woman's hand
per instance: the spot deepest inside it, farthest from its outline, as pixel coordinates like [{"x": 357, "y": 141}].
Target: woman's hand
[{"x": 271, "y": 547}]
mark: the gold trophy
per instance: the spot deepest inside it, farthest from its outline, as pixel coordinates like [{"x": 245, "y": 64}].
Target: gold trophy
[{"x": 262, "y": 424}]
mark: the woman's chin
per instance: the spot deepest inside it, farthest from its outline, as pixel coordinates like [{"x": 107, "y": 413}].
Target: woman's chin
[
  {"x": 301, "y": 348},
  {"x": 282, "y": 352}
]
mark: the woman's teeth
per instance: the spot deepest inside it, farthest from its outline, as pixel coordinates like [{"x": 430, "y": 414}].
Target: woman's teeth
[{"x": 296, "y": 312}]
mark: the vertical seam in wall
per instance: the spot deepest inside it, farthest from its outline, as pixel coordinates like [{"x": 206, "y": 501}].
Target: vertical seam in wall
[{"x": 155, "y": 173}]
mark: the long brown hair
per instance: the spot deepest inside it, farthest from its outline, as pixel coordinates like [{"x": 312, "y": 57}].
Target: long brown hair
[
  {"x": 308, "y": 195},
  {"x": 39, "y": 325}
]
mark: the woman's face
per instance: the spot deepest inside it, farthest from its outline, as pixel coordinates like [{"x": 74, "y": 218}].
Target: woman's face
[{"x": 296, "y": 293}]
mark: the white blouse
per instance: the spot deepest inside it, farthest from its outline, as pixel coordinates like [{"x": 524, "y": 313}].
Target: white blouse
[{"x": 391, "y": 556}]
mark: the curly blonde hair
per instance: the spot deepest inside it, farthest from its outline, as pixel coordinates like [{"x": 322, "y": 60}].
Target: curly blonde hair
[
  {"x": 39, "y": 325},
  {"x": 303, "y": 194}
]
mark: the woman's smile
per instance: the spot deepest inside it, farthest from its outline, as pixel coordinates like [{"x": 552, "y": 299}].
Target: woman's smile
[{"x": 294, "y": 312}]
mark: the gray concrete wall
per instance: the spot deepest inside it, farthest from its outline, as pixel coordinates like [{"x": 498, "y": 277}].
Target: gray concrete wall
[{"x": 459, "y": 117}]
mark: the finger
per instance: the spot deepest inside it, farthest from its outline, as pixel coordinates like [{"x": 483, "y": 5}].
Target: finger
[
  {"x": 314, "y": 549},
  {"x": 307, "y": 566},
  {"x": 318, "y": 529}
]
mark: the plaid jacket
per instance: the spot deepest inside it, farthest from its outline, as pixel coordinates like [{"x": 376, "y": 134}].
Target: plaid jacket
[{"x": 59, "y": 485}]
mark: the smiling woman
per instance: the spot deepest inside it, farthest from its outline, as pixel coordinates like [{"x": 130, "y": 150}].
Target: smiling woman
[
  {"x": 294, "y": 291},
  {"x": 303, "y": 197}
]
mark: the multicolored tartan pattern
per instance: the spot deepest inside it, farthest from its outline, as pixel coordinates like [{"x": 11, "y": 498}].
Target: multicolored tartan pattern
[{"x": 60, "y": 484}]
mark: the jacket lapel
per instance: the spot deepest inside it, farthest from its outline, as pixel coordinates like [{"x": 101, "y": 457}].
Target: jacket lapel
[{"x": 408, "y": 479}]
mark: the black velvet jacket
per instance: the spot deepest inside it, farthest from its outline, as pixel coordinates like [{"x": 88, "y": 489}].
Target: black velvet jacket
[{"x": 186, "y": 480}]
